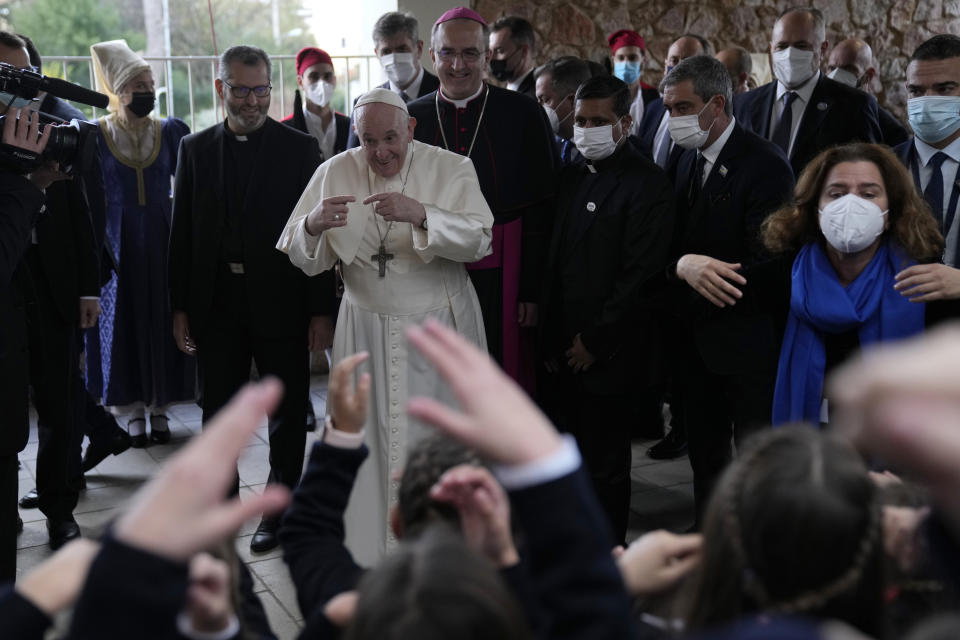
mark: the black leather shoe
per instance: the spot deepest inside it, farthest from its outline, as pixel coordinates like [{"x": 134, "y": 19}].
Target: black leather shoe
[
  {"x": 19, "y": 524},
  {"x": 265, "y": 537},
  {"x": 31, "y": 500},
  {"x": 673, "y": 446},
  {"x": 99, "y": 449},
  {"x": 62, "y": 531},
  {"x": 138, "y": 441},
  {"x": 160, "y": 437}
]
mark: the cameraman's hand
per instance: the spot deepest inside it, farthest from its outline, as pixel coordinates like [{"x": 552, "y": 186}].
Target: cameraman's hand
[
  {"x": 89, "y": 312},
  {"x": 24, "y": 133},
  {"x": 46, "y": 174}
]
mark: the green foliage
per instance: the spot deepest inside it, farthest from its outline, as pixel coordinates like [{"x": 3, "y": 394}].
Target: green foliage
[{"x": 68, "y": 28}]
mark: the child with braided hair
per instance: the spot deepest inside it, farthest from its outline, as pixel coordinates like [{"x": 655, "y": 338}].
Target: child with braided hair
[{"x": 794, "y": 528}]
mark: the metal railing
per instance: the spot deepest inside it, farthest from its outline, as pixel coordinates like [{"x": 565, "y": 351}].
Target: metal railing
[{"x": 185, "y": 86}]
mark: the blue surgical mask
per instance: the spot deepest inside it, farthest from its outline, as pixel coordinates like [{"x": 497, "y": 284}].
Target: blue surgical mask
[
  {"x": 627, "y": 70},
  {"x": 667, "y": 70},
  {"x": 934, "y": 118},
  {"x": 14, "y": 102}
]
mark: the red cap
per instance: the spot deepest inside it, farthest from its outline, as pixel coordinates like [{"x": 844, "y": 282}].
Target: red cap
[
  {"x": 461, "y": 13},
  {"x": 309, "y": 56},
  {"x": 625, "y": 38}
]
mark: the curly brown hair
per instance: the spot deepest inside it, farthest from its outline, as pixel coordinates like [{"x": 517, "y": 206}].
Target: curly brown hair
[{"x": 911, "y": 223}]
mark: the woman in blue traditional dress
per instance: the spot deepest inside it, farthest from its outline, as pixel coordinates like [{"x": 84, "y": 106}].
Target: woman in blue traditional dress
[{"x": 133, "y": 362}]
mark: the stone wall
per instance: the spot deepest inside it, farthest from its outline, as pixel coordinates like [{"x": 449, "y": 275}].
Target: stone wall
[{"x": 892, "y": 27}]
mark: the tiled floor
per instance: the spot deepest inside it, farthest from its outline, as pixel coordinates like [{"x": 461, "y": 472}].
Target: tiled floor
[{"x": 662, "y": 498}]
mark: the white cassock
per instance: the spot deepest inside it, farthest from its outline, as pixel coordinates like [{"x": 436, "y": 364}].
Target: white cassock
[{"x": 426, "y": 278}]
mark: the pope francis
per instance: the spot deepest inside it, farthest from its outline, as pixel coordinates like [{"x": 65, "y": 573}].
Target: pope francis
[{"x": 402, "y": 217}]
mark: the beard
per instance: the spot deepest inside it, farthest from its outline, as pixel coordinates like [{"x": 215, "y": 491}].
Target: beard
[{"x": 246, "y": 118}]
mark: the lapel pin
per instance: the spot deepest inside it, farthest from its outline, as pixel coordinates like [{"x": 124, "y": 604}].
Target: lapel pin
[
  {"x": 822, "y": 106},
  {"x": 591, "y": 207},
  {"x": 723, "y": 171}
]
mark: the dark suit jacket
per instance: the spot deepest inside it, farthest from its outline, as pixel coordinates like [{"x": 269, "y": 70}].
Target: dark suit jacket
[
  {"x": 429, "y": 84},
  {"x": 529, "y": 86},
  {"x": 724, "y": 223},
  {"x": 92, "y": 179},
  {"x": 67, "y": 250},
  {"x": 891, "y": 129},
  {"x": 654, "y": 113},
  {"x": 281, "y": 296},
  {"x": 20, "y": 201},
  {"x": 837, "y": 114},
  {"x": 610, "y": 238},
  {"x": 298, "y": 121}
]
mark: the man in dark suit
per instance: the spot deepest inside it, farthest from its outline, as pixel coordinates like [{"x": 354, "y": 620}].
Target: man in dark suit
[
  {"x": 397, "y": 43},
  {"x": 513, "y": 44},
  {"x": 802, "y": 111},
  {"x": 21, "y": 200},
  {"x": 654, "y": 131},
  {"x": 313, "y": 114},
  {"x": 933, "y": 158},
  {"x": 851, "y": 63},
  {"x": 599, "y": 340},
  {"x": 234, "y": 297},
  {"x": 725, "y": 361},
  {"x": 557, "y": 82},
  {"x": 61, "y": 283}
]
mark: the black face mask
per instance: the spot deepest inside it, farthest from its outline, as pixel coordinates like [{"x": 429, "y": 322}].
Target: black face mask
[
  {"x": 498, "y": 69},
  {"x": 142, "y": 103}
]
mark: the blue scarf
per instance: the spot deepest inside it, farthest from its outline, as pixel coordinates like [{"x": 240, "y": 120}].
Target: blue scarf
[{"x": 819, "y": 304}]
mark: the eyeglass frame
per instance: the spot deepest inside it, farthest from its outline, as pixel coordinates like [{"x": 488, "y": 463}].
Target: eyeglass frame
[
  {"x": 247, "y": 90},
  {"x": 450, "y": 55}
]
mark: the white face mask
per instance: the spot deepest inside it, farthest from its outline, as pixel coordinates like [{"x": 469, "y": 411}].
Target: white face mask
[
  {"x": 686, "y": 131},
  {"x": 595, "y": 143},
  {"x": 319, "y": 93},
  {"x": 851, "y": 223},
  {"x": 843, "y": 77},
  {"x": 399, "y": 67},
  {"x": 793, "y": 66},
  {"x": 554, "y": 119}
]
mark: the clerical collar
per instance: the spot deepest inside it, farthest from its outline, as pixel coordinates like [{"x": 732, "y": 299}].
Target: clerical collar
[
  {"x": 609, "y": 161},
  {"x": 462, "y": 104},
  {"x": 244, "y": 137}
]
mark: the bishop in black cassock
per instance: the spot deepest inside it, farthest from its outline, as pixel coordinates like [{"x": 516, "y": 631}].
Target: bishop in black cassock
[{"x": 508, "y": 137}]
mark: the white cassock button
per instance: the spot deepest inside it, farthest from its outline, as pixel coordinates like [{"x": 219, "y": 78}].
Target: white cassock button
[{"x": 591, "y": 207}]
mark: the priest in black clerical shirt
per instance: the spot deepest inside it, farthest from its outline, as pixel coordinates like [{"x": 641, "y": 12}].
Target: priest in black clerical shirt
[
  {"x": 510, "y": 142},
  {"x": 599, "y": 335},
  {"x": 235, "y": 298}
]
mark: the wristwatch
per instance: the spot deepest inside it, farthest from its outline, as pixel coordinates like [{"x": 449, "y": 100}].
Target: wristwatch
[{"x": 423, "y": 225}]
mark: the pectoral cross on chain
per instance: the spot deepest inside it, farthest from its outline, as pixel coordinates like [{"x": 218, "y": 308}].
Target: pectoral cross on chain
[{"x": 381, "y": 257}]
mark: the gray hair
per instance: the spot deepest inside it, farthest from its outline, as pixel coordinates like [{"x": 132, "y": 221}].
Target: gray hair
[
  {"x": 394, "y": 22},
  {"x": 709, "y": 76},
  {"x": 244, "y": 54},
  {"x": 566, "y": 73},
  {"x": 744, "y": 62},
  {"x": 485, "y": 30},
  {"x": 819, "y": 23}
]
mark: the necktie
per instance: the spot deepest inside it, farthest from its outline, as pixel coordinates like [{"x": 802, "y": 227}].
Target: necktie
[
  {"x": 696, "y": 179},
  {"x": 663, "y": 152},
  {"x": 781, "y": 134},
  {"x": 404, "y": 96},
  {"x": 934, "y": 191}
]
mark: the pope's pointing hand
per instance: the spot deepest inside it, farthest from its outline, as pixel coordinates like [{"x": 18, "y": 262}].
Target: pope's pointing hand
[
  {"x": 329, "y": 214},
  {"x": 396, "y": 207}
]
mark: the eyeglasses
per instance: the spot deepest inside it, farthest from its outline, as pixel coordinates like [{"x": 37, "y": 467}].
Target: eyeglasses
[
  {"x": 242, "y": 92},
  {"x": 467, "y": 55}
]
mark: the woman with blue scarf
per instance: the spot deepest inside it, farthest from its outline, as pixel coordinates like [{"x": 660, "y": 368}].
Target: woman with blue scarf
[{"x": 855, "y": 223}]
